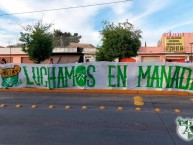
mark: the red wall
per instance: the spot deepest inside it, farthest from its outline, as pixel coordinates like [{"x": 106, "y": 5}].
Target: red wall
[{"x": 127, "y": 60}]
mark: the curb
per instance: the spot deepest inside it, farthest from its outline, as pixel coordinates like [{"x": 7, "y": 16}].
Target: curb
[{"x": 144, "y": 92}]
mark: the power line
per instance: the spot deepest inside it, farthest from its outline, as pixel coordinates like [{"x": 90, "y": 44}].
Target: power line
[{"x": 75, "y": 7}]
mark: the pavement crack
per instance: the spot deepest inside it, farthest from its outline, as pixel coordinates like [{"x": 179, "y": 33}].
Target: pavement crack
[
  {"x": 162, "y": 121},
  {"x": 43, "y": 101}
]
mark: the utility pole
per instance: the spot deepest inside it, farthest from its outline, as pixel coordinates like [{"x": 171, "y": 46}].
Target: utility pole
[{"x": 9, "y": 52}]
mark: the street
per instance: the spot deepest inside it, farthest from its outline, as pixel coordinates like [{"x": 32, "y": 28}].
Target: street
[{"x": 57, "y": 125}]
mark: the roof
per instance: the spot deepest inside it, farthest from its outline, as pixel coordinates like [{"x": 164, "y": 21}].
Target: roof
[
  {"x": 80, "y": 45},
  {"x": 150, "y": 50},
  {"x": 6, "y": 50}
]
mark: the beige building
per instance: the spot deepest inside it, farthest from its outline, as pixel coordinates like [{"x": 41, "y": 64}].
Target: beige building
[{"x": 75, "y": 52}]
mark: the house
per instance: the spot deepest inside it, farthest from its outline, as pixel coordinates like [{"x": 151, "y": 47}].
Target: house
[{"x": 75, "y": 52}]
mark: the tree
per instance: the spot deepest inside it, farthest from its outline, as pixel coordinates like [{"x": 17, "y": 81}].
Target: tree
[
  {"x": 37, "y": 41},
  {"x": 118, "y": 41},
  {"x": 62, "y": 39}
]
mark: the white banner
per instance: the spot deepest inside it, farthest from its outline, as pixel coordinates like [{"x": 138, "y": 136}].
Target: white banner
[{"x": 99, "y": 75}]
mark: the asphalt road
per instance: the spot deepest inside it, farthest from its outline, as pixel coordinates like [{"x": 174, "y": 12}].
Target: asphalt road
[{"x": 60, "y": 126}]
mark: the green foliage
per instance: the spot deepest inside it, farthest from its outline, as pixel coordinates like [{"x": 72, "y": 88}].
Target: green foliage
[
  {"x": 37, "y": 41},
  {"x": 62, "y": 39},
  {"x": 118, "y": 41}
]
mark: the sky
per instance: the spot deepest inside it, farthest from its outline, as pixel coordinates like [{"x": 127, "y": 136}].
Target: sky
[{"x": 152, "y": 17}]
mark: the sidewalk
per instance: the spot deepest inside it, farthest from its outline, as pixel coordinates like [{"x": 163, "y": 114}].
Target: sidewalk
[{"x": 144, "y": 92}]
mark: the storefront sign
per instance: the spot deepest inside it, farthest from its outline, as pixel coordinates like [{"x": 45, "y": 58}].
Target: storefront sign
[
  {"x": 99, "y": 75},
  {"x": 174, "y": 43}
]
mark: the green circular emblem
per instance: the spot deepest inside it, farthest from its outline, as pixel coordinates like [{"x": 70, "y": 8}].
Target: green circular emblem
[{"x": 81, "y": 75}]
